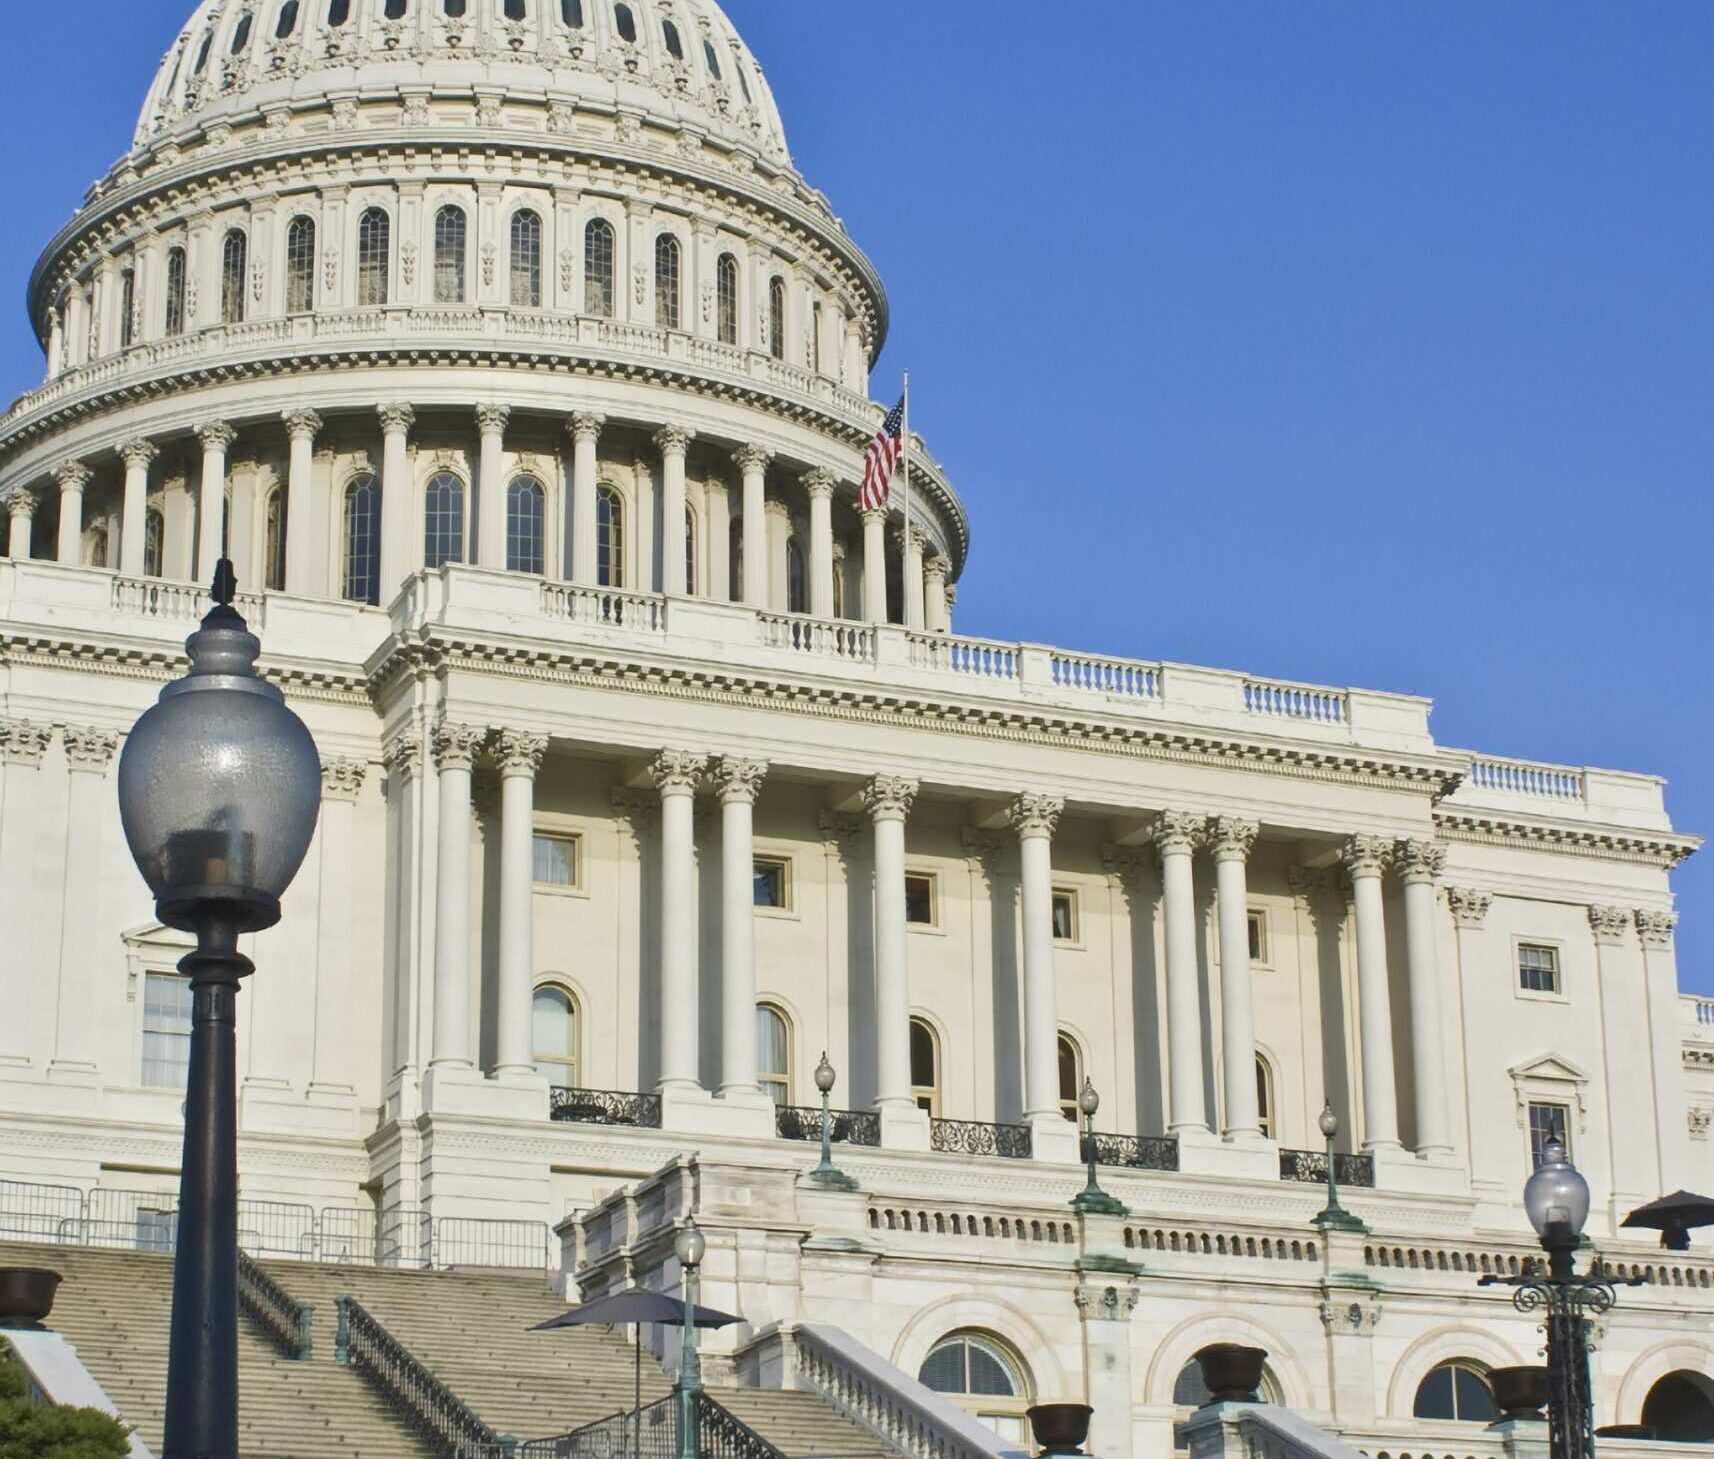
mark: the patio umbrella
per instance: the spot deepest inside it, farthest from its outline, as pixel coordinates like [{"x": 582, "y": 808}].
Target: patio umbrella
[
  {"x": 1674, "y": 1216},
  {"x": 636, "y": 1306}
]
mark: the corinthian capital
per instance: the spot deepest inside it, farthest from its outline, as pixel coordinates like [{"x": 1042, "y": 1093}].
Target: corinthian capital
[
  {"x": 1469, "y": 905},
  {"x": 1655, "y": 928},
  {"x": 216, "y": 435},
  {"x": 677, "y": 772},
  {"x": 1231, "y": 837},
  {"x": 1419, "y": 861},
  {"x": 874, "y": 516},
  {"x": 457, "y": 745},
  {"x": 819, "y": 483},
  {"x": 739, "y": 781},
  {"x": 586, "y": 425},
  {"x": 23, "y": 741},
  {"x": 1609, "y": 925},
  {"x": 402, "y": 755},
  {"x": 139, "y": 453},
  {"x": 491, "y": 418},
  {"x": 343, "y": 779},
  {"x": 88, "y": 748},
  {"x": 936, "y": 567},
  {"x": 750, "y": 459},
  {"x": 302, "y": 425},
  {"x": 397, "y": 417},
  {"x": 23, "y": 503},
  {"x": 1366, "y": 855},
  {"x": 1035, "y": 815},
  {"x": 518, "y": 753},
  {"x": 673, "y": 440},
  {"x": 73, "y": 476},
  {"x": 1176, "y": 832},
  {"x": 889, "y": 797}
]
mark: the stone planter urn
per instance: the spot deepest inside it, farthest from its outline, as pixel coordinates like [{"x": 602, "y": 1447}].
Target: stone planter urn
[
  {"x": 26, "y": 1295},
  {"x": 1519, "y": 1393},
  {"x": 1232, "y": 1372},
  {"x": 1060, "y": 1428}
]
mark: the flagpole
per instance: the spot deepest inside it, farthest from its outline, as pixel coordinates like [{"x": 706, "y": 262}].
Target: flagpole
[{"x": 905, "y": 546}]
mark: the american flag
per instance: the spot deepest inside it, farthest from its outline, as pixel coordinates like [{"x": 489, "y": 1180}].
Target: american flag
[{"x": 881, "y": 457}]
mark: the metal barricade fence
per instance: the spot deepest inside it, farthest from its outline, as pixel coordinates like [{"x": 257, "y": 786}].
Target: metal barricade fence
[
  {"x": 130, "y": 1219},
  {"x": 39, "y": 1212},
  {"x": 507, "y": 1245},
  {"x": 277, "y": 1228}
]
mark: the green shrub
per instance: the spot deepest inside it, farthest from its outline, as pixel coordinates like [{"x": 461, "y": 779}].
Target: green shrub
[{"x": 30, "y": 1432}]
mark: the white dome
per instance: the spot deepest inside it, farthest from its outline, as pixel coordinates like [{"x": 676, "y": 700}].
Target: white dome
[{"x": 676, "y": 60}]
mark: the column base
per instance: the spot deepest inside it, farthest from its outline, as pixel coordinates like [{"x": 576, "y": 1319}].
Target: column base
[
  {"x": 459, "y": 1089},
  {"x": 1054, "y": 1139},
  {"x": 1398, "y": 1169},
  {"x": 689, "y": 1109},
  {"x": 904, "y": 1127},
  {"x": 1202, "y": 1152}
]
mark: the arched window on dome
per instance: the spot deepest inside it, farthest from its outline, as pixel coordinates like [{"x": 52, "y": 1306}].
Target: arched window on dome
[
  {"x": 744, "y": 83},
  {"x": 1455, "y": 1390},
  {"x": 127, "y": 308},
  {"x": 712, "y": 56},
  {"x": 338, "y": 12},
  {"x": 274, "y": 542},
  {"x": 690, "y": 543},
  {"x": 449, "y": 235},
  {"x": 797, "y": 595},
  {"x": 175, "y": 291},
  {"x": 300, "y": 266},
  {"x": 287, "y": 21},
  {"x": 362, "y": 575},
  {"x": 609, "y": 538},
  {"x": 925, "y": 1067},
  {"x": 241, "y": 35},
  {"x": 726, "y": 288},
  {"x": 443, "y": 521},
  {"x": 571, "y": 13},
  {"x": 554, "y": 1041},
  {"x": 669, "y": 34},
  {"x": 393, "y": 10},
  {"x": 234, "y": 257},
  {"x": 1070, "y": 1076},
  {"x": 815, "y": 336},
  {"x": 598, "y": 269},
  {"x": 1265, "y": 1098},
  {"x": 667, "y": 292},
  {"x": 626, "y": 23},
  {"x": 735, "y": 560},
  {"x": 154, "y": 542},
  {"x": 202, "y": 54},
  {"x": 453, "y": 9},
  {"x": 526, "y": 526},
  {"x": 374, "y": 257},
  {"x": 838, "y": 585},
  {"x": 774, "y": 1053},
  {"x": 983, "y": 1376},
  {"x": 777, "y": 317},
  {"x": 516, "y": 10},
  {"x": 526, "y": 259}
]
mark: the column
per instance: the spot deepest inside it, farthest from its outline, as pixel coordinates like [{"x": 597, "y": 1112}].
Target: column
[
  {"x": 137, "y": 456},
  {"x": 951, "y": 597},
  {"x": 56, "y": 343},
  {"x": 854, "y": 356},
  {"x": 717, "y": 541},
  {"x": 1175, "y": 836},
  {"x": 302, "y": 427},
  {"x": 676, "y": 774},
  {"x": 397, "y": 418},
  {"x": 491, "y": 511},
  {"x": 74, "y": 478},
  {"x": 739, "y": 781},
  {"x": 1420, "y": 864},
  {"x": 23, "y": 832},
  {"x": 1232, "y": 839},
  {"x": 585, "y": 429},
  {"x": 752, "y": 462},
  {"x": 911, "y": 542},
  {"x": 332, "y": 1077},
  {"x": 455, "y": 749},
  {"x": 1034, "y": 818},
  {"x": 217, "y": 438},
  {"x": 819, "y": 485},
  {"x": 1365, "y": 860},
  {"x": 1655, "y": 930},
  {"x": 875, "y": 565},
  {"x": 888, "y": 800},
  {"x": 21, "y": 507},
  {"x": 520, "y": 757},
  {"x": 934, "y": 595},
  {"x": 673, "y": 443},
  {"x": 88, "y": 753}
]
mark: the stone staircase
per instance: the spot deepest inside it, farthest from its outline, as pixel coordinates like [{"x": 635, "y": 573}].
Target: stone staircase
[{"x": 470, "y": 1327}]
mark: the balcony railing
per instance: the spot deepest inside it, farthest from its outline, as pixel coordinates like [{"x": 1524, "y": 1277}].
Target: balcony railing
[
  {"x": 971, "y": 1137},
  {"x": 1133, "y": 1152},
  {"x": 605, "y": 1107},
  {"x": 1310, "y": 1168},
  {"x": 848, "y": 1126},
  {"x": 1527, "y": 777}
]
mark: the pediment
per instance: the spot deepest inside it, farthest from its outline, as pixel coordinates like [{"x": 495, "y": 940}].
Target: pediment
[{"x": 1549, "y": 1066}]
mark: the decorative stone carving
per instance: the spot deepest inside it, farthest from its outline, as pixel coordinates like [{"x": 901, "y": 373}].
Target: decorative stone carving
[
  {"x": 408, "y": 263},
  {"x": 1611, "y": 926},
  {"x": 139, "y": 453},
  {"x": 819, "y": 483},
  {"x": 739, "y": 781},
  {"x": 402, "y": 756},
  {"x": 88, "y": 748},
  {"x": 1469, "y": 905},
  {"x": 562, "y": 118},
  {"x": 517, "y": 752},
  {"x": 396, "y": 416},
  {"x": 1032, "y": 814},
  {"x": 639, "y": 285},
  {"x": 752, "y": 458},
  {"x": 491, "y": 419},
  {"x": 567, "y": 270},
  {"x": 1176, "y": 831},
  {"x": 23, "y": 502},
  {"x": 586, "y": 426},
  {"x": 1419, "y": 861},
  {"x": 457, "y": 745},
  {"x": 631, "y": 125},
  {"x": 24, "y": 742},
  {"x": 73, "y": 475},
  {"x": 416, "y": 113},
  {"x": 345, "y": 116},
  {"x": 330, "y": 269},
  {"x": 1231, "y": 837},
  {"x": 1366, "y": 855},
  {"x": 302, "y": 424},
  {"x": 487, "y": 265},
  {"x": 678, "y": 770},
  {"x": 673, "y": 440},
  {"x": 889, "y": 797},
  {"x": 1699, "y": 1121},
  {"x": 707, "y": 303},
  {"x": 488, "y": 111},
  {"x": 342, "y": 779},
  {"x": 1655, "y": 928},
  {"x": 216, "y": 435}
]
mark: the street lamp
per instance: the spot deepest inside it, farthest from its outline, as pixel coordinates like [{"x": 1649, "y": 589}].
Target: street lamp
[
  {"x": 1092, "y": 1199},
  {"x": 1556, "y": 1199},
  {"x": 826, "y": 1174},
  {"x": 689, "y": 1246},
  {"x": 1333, "y": 1216},
  {"x": 219, "y": 790}
]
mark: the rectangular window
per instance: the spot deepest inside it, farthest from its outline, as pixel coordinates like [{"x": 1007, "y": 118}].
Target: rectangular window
[
  {"x": 554, "y": 861},
  {"x": 773, "y": 883},
  {"x": 921, "y": 903},
  {"x": 1258, "y": 937},
  {"x": 1538, "y": 968},
  {"x": 166, "y": 1030},
  {"x": 1065, "y": 916},
  {"x": 1548, "y": 1122}
]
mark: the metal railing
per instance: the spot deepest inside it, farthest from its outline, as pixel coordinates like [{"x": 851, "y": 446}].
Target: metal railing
[
  {"x": 505, "y": 1245},
  {"x": 847, "y": 1126},
  {"x": 1133, "y": 1152},
  {"x": 605, "y": 1107},
  {"x": 721, "y": 1434},
  {"x": 1310, "y": 1167},
  {"x": 646, "y": 1433},
  {"x": 289, "y": 1322},
  {"x": 971, "y": 1137},
  {"x": 38, "y": 1212}
]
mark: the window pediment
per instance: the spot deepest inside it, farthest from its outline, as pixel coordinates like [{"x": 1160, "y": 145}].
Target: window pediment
[{"x": 1550, "y": 1077}]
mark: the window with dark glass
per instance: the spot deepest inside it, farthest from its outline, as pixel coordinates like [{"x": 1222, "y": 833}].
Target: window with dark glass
[
  {"x": 1538, "y": 968},
  {"x": 393, "y": 10},
  {"x": 735, "y": 560},
  {"x": 797, "y": 591},
  {"x": 127, "y": 303},
  {"x": 154, "y": 543},
  {"x": 815, "y": 336},
  {"x": 772, "y": 881},
  {"x": 925, "y": 1067},
  {"x": 712, "y": 56},
  {"x": 374, "y": 256},
  {"x": 777, "y": 317},
  {"x": 1064, "y": 916},
  {"x": 726, "y": 289},
  {"x": 744, "y": 84},
  {"x": 1548, "y": 1122},
  {"x": 571, "y": 12},
  {"x": 443, "y": 521},
  {"x": 667, "y": 282},
  {"x": 453, "y": 9},
  {"x": 526, "y": 515},
  {"x": 233, "y": 256},
  {"x": 449, "y": 233},
  {"x": 274, "y": 540},
  {"x": 689, "y": 551},
  {"x": 526, "y": 260},
  {"x": 1264, "y": 1098},
  {"x": 598, "y": 269},
  {"x": 626, "y": 22},
  {"x": 175, "y": 291},
  {"x": 919, "y": 899},
  {"x": 609, "y": 538},
  {"x": 300, "y": 266},
  {"x": 1456, "y": 1391},
  {"x": 675, "y": 47},
  {"x": 1070, "y": 1076},
  {"x": 363, "y": 541},
  {"x": 338, "y": 12},
  {"x": 241, "y": 35},
  {"x": 1257, "y": 924},
  {"x": 515, "y": 10},
  {"x": 288, "y": 20},
  {"x": 202, "y": 54}
]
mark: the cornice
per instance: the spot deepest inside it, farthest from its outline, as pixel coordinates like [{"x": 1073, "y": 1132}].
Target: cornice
[{"x": 1606, "y": 843}]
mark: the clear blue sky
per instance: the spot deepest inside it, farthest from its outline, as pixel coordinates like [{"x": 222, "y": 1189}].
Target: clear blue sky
[{"x": 1359, "y": 343}]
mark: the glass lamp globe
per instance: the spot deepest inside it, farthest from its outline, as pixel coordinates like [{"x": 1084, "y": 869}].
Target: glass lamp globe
[
  {"x": 219, "y": 783},
  {"x": 824, "y": 1075},
  {"x": 689, "y": 1245},
  {"x": 1556, "y": 1197},
  {"x": 1328, "y": 1122},
  {"x": 1087, "y": 1099}
]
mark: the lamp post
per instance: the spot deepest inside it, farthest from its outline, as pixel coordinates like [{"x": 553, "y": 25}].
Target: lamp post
[
  {"x": 1333, "y": 1216},
  {"x": 1092, "y": 1199},
  {"x": 219, "y": 790},
  {"x": 827, "y": 1174},
  {"x": 689, "y": 1246},
  {"x": 1556, "y": 1199}
]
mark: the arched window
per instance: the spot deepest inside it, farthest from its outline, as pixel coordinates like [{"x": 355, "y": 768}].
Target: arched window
[
  {"x": 735, "y": 560},
  {"x": 1680, "y": 1409},
  {"x": 571, "y": 12},
  {"x": 443, "y": 521},
  {"x": 774, "y": 1053},
  {"x": 1070, "y": 1076},
  {"x": 777, "y": 317},
  {"x": 363, "y": 541},
  {"x": 815, "y": 336},
  {"x": 453, "y": 9},
  {"x": 526, "y": 535},
  {"x": 202, "y": 54},
  {"x": 838, "y": 586},
  {"x": 1265, "y": 1098},
  {"x": 609, "y": 538},
  {"x": 233, "y": 256},
  {"x": 449, "y": 228},
  {"x": 726, "y": 288},
  {"x": 1455, "y": 1390},
  {"x": 241, "y": 36},
  {"x": 516, "y": 10},
  {"x": 667, "y": 282},
  {"x": 626, "y": 22},
  {"x": 154, "y": 543},
  {"x": 983, "y": 1376},
  {"x": 300, "y": 266},
  {"x": 743, "y": 83},
  {"x": 338, "y": 12},
  {"x": 526, "y": 259},
  {"x": 689, "y": 552},
  {"x": 675, "y": 47},
  {"x": 274, "y": 542},
  {"x": 925, "y": 1067},
  {"x": 712, "y": 56},
  {"x": 598, "y": 269},
  {"x": 554, "y": 1034},
  {"x": 393, "y": 10},
  {"x": 374, "y": 257},
  {"x": 288, "y": 21},
  {"x": 127, "y": 305},
  {"x": 175, "y": 291},
  {"x": 797, "y": 596}
]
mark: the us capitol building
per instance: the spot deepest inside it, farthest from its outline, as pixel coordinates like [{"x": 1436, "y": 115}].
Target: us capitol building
[{"x": 527, "y": 384}]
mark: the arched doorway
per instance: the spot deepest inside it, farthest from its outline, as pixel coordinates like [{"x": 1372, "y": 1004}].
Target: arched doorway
[{"x": 1680, "y": 1408}]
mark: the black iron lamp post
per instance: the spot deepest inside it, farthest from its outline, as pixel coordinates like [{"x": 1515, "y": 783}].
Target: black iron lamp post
[
  {"x": 1556, "y": 1199},
  {"x": 1333, "y": 1216},
  {"x": 219, "y": 790},
  {"x": 827, "y": 1174},
  {"x": 1092, "y": 1199},
  {"x": 689, "y": 1246}
]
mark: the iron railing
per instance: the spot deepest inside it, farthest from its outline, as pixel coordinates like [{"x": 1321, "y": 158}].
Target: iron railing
[
  {"x": 31, "y": 1212},
  {"x": 605, "y": 1107},
  {"x": 289, "y": 1322},
  {"x": 652, "y": 1433},
  {"x": 846, "y": 1126},
  {"x": 1133, "y": 1152},
  {"x": 971, "y": 1137},
  {"x": 721, "y": 1434},
  {"x": 1310, "y": 1167},
  {"x": 506, "y": 1245}
]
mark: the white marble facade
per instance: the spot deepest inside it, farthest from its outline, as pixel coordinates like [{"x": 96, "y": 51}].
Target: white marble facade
[{"x": 526, "y": 383}]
